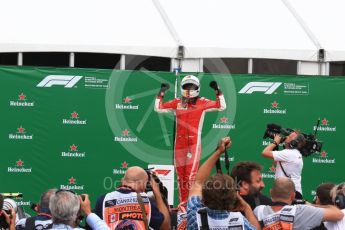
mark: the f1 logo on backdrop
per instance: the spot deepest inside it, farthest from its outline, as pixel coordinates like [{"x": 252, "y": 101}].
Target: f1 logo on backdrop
[
  {"x": 67, "y": 80},
  {"x": 266, "y": 87}
]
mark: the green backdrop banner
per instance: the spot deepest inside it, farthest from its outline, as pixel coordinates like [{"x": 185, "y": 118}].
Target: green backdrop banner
[{"x": 81, "y": 128}]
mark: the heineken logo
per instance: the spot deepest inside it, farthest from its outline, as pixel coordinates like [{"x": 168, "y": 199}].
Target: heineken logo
[
  {"x": 72, "y": 185},
  {"x": 21, "y": 97},
  {"x": 73, "y": 147},
  {"x": 119, "y": 171},
  {"x": 124, "y": 165},
  {"x": 125, "y": 132},
  {"x": 122, "y": 170},
  {"x": 274, "y": 105},
  {"x": 21, "y": 130},
  {"x": 322, "y": 158},
  {"x": 223, "y": 124},
  {"x": 274, "y": 109},
  {"x": 74, "y": 120},
  {"x": 265, "y": 143},
  {"x": 19, "y": 168},
  {"x": 21, "y": 134},
  {"x": 22, "y": 101},
  {"x": 224, "y": 120},
  {"x": 126, "y": 137},
  {"x": 231, "y": 159},
  {"x": 71, "y": 180},
  {"x": 127, "y": 100},
  {"x": 74, "y": 115},
  {"x": 325, "y": 126},
  {"x": 73, "y": 152},
  {"x": 270, "y": 173},
  {"x": 126, "y": 105},
  {"x": 20, "y": 163},
  {"x": 323, "y": 154},
  {"x": 272, "y": 169},
  {"x": 23, "y": 203}
]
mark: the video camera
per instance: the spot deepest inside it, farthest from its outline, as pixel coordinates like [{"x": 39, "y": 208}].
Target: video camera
[{"x": 311, "y": 145}]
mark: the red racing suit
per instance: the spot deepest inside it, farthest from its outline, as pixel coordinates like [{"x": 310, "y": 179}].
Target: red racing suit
[{"x": 189, "y": 122}]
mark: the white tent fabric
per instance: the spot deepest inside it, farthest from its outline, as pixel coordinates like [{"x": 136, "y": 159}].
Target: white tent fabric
[
  {"x": 206, "y": 28},
  {"x": 326, "y": 21},
  {"x": 106, "y": 26},
  {"x": 246, "y": 28}
]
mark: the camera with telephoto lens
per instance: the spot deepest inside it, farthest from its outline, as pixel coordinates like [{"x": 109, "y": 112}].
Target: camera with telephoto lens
[
  {"x": 310, "y": 146},
  {"x": 162, "y": 189},
  {"x": 9, "y": 204}
]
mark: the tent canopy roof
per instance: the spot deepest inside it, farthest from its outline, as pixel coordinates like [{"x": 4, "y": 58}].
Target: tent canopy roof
[
  {"x": 125, "y": 27},
  {"x": 285, "y": 29}
]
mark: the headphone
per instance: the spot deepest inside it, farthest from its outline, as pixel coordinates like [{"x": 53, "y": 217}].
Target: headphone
[
  {"x": 339, "y": 200},
  {"x": 295, "y": 142}
]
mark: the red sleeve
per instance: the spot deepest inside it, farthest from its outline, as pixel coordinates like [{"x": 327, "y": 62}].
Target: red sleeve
[
  {"x": 217, "y": 105},
  {"x": 164, "y": 107}
]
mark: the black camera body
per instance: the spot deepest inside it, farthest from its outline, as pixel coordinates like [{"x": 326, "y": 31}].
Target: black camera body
[
  {"x": 10, "y": 203},
  {"x": 311, "y": 144},
  {"x": 163, "y": 190},
  {"x": 3, "y": 223},
  {"x": 7, "y": 204}
]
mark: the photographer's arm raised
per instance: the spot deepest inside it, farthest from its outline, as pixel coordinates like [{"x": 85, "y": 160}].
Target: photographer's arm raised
[
  {"x": 205, "y": 170},
  {"x": 245, "y": 208},
  {"x": 10, "y": 218},
  {"x": 161, "y": 205},
  {"x": 267, "y": 152},
  {"x": 94, "y": 221}
]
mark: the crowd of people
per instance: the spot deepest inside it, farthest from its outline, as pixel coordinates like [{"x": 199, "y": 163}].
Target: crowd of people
[
  {"x": 218, "y": 201},
  {"x": 248, "y": 208}
]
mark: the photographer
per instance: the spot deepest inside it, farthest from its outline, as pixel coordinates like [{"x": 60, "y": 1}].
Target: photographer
[
  {"x": 249, "y": 179},
  {"x": 218, "y": 199},
  {"x": 43, "y": 219},
  {"x": 283, "y": 215},
  {"x": 130, "y": 207},
  {"x": 289, "y": 162},
  {"x": 8, "y": 217},
  {"x": 66, "y": 208}
]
